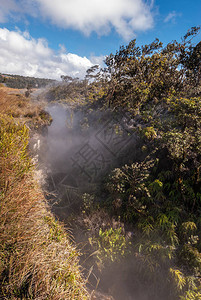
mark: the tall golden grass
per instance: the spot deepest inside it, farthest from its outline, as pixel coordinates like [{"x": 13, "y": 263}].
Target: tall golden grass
[
  {"x": 13, "y": 103},
  {"x": 37, "y": 260}
]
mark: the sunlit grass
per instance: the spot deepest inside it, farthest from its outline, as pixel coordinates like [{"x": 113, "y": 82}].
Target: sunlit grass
[{"x": 37, "y": 261}]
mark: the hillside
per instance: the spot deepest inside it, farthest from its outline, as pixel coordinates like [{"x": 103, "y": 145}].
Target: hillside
[{"x": 23, "y": 82}]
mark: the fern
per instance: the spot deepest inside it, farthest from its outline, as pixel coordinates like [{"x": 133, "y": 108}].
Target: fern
[{"x": 178, "y": 278}]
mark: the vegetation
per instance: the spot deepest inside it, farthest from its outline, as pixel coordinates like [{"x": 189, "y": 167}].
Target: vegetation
[
  {"x": 156, "y": 195},
  {"x": 15, "y": 105},
  {"x": 37, "y": 260},
  {"x": 70, "y": 91},
  {"x": 145, "y": 211},
  {"x": 22, "y": 82}
]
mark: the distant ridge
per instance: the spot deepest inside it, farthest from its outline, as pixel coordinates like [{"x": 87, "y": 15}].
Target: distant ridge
[{"x": 22, "y": 82}]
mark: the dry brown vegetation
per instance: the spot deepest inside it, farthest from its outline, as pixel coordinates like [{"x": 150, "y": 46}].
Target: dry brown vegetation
[
  {"x": 37, "y": 261},
  {"x": 14, "y": 104}
]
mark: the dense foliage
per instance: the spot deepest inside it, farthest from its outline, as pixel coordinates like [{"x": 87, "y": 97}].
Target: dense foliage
[{"x": 157, "y": 196}]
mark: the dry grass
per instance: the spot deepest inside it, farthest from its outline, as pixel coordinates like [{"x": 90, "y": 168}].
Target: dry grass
[
  {"x": 14, "y": 104},
  {"x": 37, "y": 261}
]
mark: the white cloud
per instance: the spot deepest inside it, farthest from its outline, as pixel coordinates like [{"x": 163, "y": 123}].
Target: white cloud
[
  {"x": 23, "y": 55},
  {"x": 98, "y": 60},
  {"x": 171, "y": 17},
  {"x": 126, "y": 16}
]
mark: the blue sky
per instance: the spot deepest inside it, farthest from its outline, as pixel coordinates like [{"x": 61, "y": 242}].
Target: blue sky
[{"x": 48, "y": 38}]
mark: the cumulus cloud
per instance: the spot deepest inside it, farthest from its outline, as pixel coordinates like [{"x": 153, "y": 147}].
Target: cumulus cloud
[
  {"x": 125, "y": 16},
  {"x": 23, "y": 55}
]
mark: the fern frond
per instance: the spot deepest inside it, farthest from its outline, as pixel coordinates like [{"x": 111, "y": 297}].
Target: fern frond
[{"x": 178, "y": 277}]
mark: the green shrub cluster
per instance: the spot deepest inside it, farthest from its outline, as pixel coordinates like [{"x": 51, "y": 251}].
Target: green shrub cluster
[{"x": 157, "y": 195}]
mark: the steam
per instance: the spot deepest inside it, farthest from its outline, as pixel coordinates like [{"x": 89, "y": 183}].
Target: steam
[
  {"x": 86, "y": 146},
  {"x": 81, "y": 148}
]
